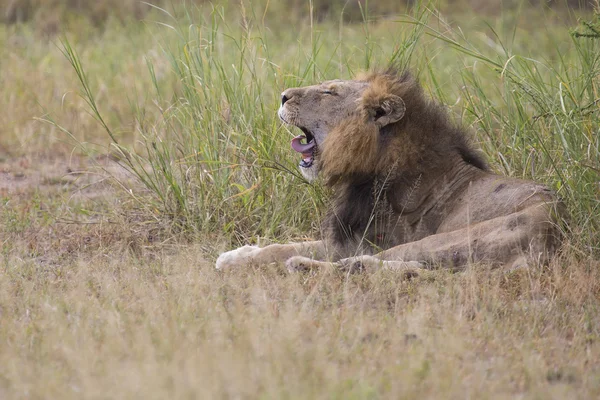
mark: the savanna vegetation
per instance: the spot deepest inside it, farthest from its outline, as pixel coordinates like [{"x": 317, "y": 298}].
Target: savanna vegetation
[{"x": 138, "y": 141}]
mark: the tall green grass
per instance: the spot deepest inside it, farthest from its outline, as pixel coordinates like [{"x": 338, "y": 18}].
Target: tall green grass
[
  {"x": 218, "y": 161},
  {"x": 539, "y": 117}
]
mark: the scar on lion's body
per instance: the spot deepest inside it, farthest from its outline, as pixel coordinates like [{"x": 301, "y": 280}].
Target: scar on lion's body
[{"x": 410, "y": 190}]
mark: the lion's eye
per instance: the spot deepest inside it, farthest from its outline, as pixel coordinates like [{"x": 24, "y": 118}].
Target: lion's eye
[{"x": 327, "y": 92}]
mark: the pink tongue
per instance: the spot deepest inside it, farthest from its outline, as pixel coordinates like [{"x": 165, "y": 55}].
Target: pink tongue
[{"x": 305, "y": 149}]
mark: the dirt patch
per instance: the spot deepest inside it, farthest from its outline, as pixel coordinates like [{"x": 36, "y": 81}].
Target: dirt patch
[
  {"x": 87, "y": 177},
  {"x": 55, "y": 208}
]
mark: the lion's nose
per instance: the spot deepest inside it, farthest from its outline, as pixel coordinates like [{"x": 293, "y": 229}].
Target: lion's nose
[{"x": 284, "y": 98}]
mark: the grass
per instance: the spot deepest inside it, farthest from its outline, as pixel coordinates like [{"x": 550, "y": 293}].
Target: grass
[
  {"x": 122, "y": 327},
  {"x": 210, "y": 159},
  {"x": 106, "y": 292}
]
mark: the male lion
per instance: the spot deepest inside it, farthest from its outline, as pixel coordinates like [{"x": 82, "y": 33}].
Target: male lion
[{"x": 409, "y": 190}]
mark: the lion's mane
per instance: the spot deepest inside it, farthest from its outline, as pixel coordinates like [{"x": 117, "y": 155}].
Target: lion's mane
[{"x": 370, "y": 168}]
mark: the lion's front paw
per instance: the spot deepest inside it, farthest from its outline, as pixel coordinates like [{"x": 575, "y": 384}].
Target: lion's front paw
[
  {"x": 233, "y": 258},
  {"x": 299, "y": 264},
  {"x": 354, "y": 265}
]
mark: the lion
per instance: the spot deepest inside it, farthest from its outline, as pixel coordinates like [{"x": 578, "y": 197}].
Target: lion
[{"x": 409, "y": 190}]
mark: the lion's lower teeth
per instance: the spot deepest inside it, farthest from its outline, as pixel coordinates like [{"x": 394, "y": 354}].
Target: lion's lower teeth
[{"x": 306, "y": 162}]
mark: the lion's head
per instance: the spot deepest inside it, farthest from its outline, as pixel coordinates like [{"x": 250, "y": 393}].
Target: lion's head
[{"x": 342, "y": 122}]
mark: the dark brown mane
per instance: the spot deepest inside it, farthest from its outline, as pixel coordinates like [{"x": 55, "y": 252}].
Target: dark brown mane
[
  {"x": 426, "y": 124},
  {"x": 394, "y": 158}
]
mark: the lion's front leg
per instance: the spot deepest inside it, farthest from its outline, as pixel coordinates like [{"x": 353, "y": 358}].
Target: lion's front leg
[
  {"x": 351, "y": 265},
  {"x": 305, "y": 264},
  {"x": 369, "y": 263},
  {"x": 240, "y": 256},
  {"x": 275, "y": 253}
]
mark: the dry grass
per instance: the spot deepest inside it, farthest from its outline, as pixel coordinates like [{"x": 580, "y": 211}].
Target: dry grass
[
  {"x": 38, "y": 81},
  {"x": 170, "y": 326}
]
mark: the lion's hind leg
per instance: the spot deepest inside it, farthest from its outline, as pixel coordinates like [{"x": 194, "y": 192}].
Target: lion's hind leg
[{"x": 529, "y": 236}]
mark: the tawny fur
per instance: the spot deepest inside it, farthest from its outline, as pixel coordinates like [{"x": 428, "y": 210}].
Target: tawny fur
[{"x": 409, "y": 187}]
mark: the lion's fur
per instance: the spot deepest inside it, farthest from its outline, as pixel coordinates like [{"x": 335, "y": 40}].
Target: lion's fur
[
  {"x": 407, "y": 179},
  {"x": 398, "y": 157},
  {"x": 424, "y": 130}
]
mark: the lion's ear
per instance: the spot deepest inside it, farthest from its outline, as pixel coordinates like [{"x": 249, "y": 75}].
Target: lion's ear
[{"x": 390, "y": 110}]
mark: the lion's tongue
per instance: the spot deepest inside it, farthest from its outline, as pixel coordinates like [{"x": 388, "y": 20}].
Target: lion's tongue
[{"x": 305, "y": 149}]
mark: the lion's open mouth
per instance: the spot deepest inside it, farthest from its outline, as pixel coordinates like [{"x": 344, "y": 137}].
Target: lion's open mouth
[{"x": 308, "y": 149}]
